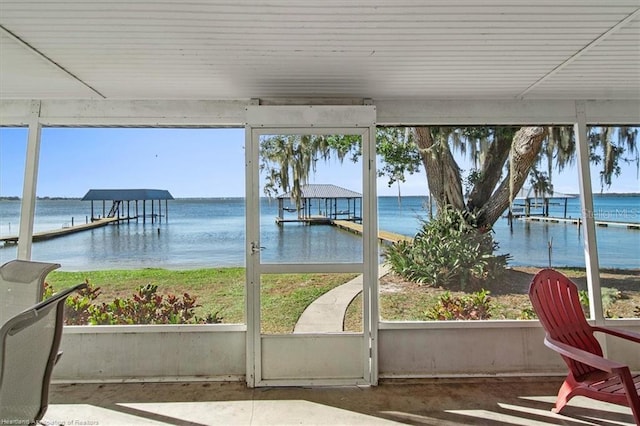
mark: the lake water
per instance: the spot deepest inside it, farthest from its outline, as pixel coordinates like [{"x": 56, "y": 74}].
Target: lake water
[{"x": 211, "y": 232}]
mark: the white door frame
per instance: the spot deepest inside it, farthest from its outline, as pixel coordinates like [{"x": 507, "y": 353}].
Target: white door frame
[{"x": 360, "y": 120}]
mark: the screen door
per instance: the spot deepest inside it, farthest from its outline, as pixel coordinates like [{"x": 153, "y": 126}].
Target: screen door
[{"x": 312, "y": 253}]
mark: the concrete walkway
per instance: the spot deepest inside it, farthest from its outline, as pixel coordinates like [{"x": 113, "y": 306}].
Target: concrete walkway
[{"x": 326, "y": 313}]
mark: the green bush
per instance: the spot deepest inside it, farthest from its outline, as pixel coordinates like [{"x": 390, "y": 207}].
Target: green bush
[
  {"x": 448, "y": 251},
  {"x": 476, "y": 306},
  {"x": 145, "y": 306},
  {"x": 528, "y": 314},
  {"x": 610, "y": 295},
  {"x": 78, "y": 309}
]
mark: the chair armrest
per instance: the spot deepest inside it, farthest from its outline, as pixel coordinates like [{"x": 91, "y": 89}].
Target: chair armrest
[
  {"x": 584, "y": 357},
  {"x": 617, "y": 332}
]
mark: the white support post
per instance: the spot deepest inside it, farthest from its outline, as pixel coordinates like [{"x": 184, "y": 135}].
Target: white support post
[
  {"x": 28, "y": 205},
  {"x": 370, "y": 276},
  {"x": 252, "y": 244},
  {"x": 588, "y": 219},
  {"x": 252, "y": 231}
]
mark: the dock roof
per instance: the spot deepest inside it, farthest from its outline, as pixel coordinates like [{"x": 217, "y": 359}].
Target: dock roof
[
  {"x": 324, "y": 191},
  {"x": 529, "y": 192},
  {"x": 127, "y": 194}
]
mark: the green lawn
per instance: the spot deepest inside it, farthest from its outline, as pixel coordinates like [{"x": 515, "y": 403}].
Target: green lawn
[
  {"x": 285, "y": 296},
  {"x": 219, "y": 290}
]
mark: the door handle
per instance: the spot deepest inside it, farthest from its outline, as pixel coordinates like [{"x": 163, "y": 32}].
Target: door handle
[{"x": 255, "y": 247}]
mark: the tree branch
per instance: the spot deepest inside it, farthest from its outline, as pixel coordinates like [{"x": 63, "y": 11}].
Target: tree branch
[
  {"x": 491, "y": 172},
  {"x": 524, "y": 151}
]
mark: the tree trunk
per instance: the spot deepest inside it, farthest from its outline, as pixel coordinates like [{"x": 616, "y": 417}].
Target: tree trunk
[
  {"x": 524, "y": 151},
  {"x": 492, "y": 167},
  {"x": 443, "y": 173}
]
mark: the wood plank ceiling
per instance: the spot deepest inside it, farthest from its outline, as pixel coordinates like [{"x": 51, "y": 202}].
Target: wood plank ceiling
[{"x": 380, "y": 49}]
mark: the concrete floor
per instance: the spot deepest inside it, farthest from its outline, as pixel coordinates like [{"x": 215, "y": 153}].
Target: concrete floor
[{"x": 507, "y": 401}]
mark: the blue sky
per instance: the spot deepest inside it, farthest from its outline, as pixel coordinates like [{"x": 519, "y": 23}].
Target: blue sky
[{"x": 187, "y": 162}]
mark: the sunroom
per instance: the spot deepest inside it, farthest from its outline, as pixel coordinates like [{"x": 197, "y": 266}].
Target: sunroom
[{"x": 288, "y": 67}]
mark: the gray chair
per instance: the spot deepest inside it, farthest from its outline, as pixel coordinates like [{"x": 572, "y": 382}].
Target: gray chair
[
  {"x": 30, "y": 341},
  {"x": 21, "y": 285}
]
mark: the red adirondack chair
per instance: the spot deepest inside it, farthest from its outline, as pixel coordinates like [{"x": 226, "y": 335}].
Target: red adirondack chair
[{"x": 556, "y": 302}]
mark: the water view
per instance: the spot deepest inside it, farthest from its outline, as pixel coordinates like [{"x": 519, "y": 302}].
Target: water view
[{"x": 211, "y": 233}]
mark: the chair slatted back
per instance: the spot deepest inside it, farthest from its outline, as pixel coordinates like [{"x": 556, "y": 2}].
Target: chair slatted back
[
  {"x": 21, "y": 285},
  {"x": 556, "y": 301},
  {"x": 30, "y": 342}
]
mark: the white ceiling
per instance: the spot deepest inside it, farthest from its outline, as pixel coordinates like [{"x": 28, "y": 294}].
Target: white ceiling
[{"x": 381, "y": 49}]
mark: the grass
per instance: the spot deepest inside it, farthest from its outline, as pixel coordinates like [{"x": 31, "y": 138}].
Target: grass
[
  {"x": 401, "y": 300},
  {"x": 285, "y": 296},
  {"x": 218, "y": 290}
]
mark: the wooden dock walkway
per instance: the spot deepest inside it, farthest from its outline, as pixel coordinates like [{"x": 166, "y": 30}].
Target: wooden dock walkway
[
  {"x": 309, "y": 220},
  {"x": 356, "y": 228},
  {"x": 578, "y": 221},
  {"x": 46, "y": 235}
]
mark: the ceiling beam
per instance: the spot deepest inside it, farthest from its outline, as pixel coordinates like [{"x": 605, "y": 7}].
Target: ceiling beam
[
  {"x": 581, "y": 52},
  {"x": 36, "y": 52},
  {"x": 232, "y": 113}
]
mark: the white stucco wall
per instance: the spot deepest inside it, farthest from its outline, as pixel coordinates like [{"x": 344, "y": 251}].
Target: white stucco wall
[{"x": 410, "y": 350}]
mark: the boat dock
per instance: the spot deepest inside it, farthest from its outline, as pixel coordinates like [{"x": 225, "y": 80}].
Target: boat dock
[
  {"x": 383, "y": 236},
  {"x": 320, "y": 204},
  {"x": 578, "y": 221},
  {"x": 309, "y": 220},
  {"x": 46, "y": 235}
]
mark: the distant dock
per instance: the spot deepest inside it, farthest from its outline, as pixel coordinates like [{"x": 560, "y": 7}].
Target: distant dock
[
  {"x": 120, "y": 211},
  {"x": 578, "y": 222},
  {"x": 46, "y": 235},
  {"x": 309, "y": 220},
  {"x": 384, "y": 236},
  {"x": 318, "y": 204}
]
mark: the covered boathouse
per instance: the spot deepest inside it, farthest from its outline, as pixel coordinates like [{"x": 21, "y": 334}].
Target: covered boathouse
[
  {"x": 321, "y": 203},
  {"x": 527, "y": 203},
  {"x": 118, "y": 197}
]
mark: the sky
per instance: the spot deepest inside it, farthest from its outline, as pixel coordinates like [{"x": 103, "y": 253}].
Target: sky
[{"x": 187, "y": 162}]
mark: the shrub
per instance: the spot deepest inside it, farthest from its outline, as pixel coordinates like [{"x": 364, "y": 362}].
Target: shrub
[
  {"x": 449, "y": 251},
  {"x": 79, "y": 305},
  {"x": 610, "y": 295},
  {"x": 528, "y": 314},
  {"x": 476, "y": 306},
  {"x": 145, "y": 306}
]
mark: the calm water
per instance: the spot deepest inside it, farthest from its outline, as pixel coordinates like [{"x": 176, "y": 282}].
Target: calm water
[{"x": 210, "y": 232}]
